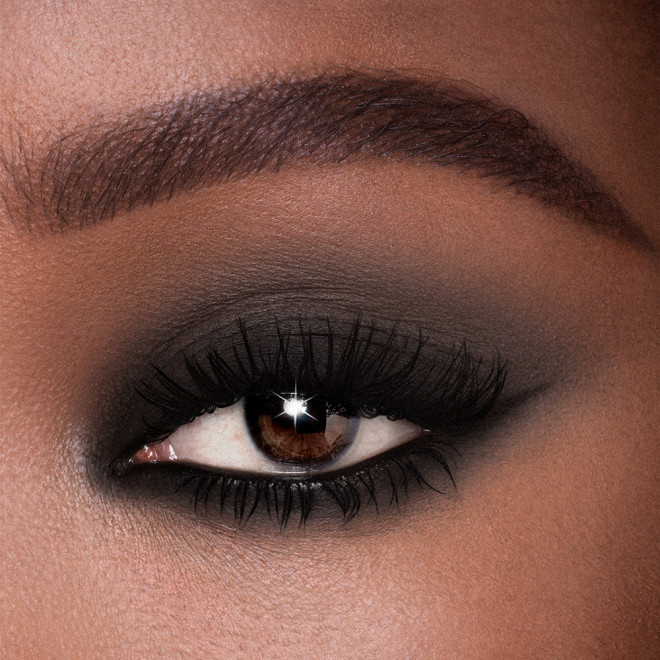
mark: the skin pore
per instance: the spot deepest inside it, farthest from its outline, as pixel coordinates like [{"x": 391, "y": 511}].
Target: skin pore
[{"x": 547, "y": 547}]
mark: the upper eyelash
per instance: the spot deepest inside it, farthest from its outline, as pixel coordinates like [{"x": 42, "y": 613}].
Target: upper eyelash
[{"x": 373, "y": 371}]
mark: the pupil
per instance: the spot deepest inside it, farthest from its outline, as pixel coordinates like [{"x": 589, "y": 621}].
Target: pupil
[{"x": 295, "y": 428}]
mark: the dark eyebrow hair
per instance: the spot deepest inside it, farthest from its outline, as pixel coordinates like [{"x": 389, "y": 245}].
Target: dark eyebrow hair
[{"x": 150, "y": 154}]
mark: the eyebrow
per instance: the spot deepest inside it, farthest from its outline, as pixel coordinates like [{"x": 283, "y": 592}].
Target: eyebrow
[{"x": 149, "y": 155}]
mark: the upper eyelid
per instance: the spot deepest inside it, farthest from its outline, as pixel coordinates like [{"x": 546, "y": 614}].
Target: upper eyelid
[
  {"x": 400, "y": 377},
  {"x": 121, "y": 419}
]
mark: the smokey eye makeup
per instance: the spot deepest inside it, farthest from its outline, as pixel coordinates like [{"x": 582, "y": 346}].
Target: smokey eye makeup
[{"x": 310, "y": 418}]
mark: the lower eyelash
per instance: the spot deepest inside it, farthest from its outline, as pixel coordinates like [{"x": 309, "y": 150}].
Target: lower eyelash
[
  {"x": 366, "y": 369},
  {"x": 380, "y": 483}
]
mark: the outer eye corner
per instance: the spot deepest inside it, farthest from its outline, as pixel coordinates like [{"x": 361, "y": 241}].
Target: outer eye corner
[{"x": 267, "y": 442}]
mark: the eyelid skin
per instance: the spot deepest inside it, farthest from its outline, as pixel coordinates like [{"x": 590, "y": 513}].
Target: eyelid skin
[
  {"x": 380, "y": 372},
  {"x": 191, "y": 327},
  {"x": 371, "y": 368}
]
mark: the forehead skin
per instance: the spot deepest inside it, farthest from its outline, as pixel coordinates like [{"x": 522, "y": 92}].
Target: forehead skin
[{"x": 515, "y": 568}]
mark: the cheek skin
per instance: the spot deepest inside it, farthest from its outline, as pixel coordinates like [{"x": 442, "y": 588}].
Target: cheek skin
[{"x": 529, "y": 544}]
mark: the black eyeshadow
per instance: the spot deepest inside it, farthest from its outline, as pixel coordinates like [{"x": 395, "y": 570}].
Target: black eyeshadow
[{"x": 392, "y": 368}]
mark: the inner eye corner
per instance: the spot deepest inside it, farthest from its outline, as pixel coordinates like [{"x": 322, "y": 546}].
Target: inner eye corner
[{"x": 324, "y": 426}]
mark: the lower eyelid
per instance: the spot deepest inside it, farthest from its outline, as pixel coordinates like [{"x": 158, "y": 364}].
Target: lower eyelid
[
  {"x": 377, "y": 371},
  {"x": 375, "y": 485}
]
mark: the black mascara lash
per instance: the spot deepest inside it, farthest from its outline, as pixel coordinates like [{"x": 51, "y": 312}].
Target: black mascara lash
[{"x": 372, "y": 369}]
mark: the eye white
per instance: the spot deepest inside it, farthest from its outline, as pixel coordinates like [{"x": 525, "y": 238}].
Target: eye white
[{"x": 222, "y": 440}]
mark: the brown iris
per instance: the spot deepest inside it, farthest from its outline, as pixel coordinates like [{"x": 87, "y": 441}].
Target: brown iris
[{"x": 291, "y": 428}]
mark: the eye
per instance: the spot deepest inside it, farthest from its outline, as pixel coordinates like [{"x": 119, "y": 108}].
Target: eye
[
  {"x": 280, "y": 433},
  {"x": 305, "y": 420}
]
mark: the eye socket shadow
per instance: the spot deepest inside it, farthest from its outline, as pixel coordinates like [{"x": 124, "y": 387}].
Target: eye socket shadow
[{"x": 532, "y": 359}]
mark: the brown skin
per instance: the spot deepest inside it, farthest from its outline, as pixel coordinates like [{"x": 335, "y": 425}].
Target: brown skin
[{"x": 549, "y": 548}]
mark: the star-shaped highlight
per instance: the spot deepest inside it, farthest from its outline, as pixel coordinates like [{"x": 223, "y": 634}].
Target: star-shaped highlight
[{"x": 295, "y": 407}]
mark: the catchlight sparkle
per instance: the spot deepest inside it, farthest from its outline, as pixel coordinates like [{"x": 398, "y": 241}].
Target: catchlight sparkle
[{"x": 295, "y": 407}]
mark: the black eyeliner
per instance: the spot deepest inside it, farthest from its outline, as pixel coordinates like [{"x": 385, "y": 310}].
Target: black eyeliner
[
  {"x": 369, "y": 367},
  {"x": 378, "y": 483}
]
